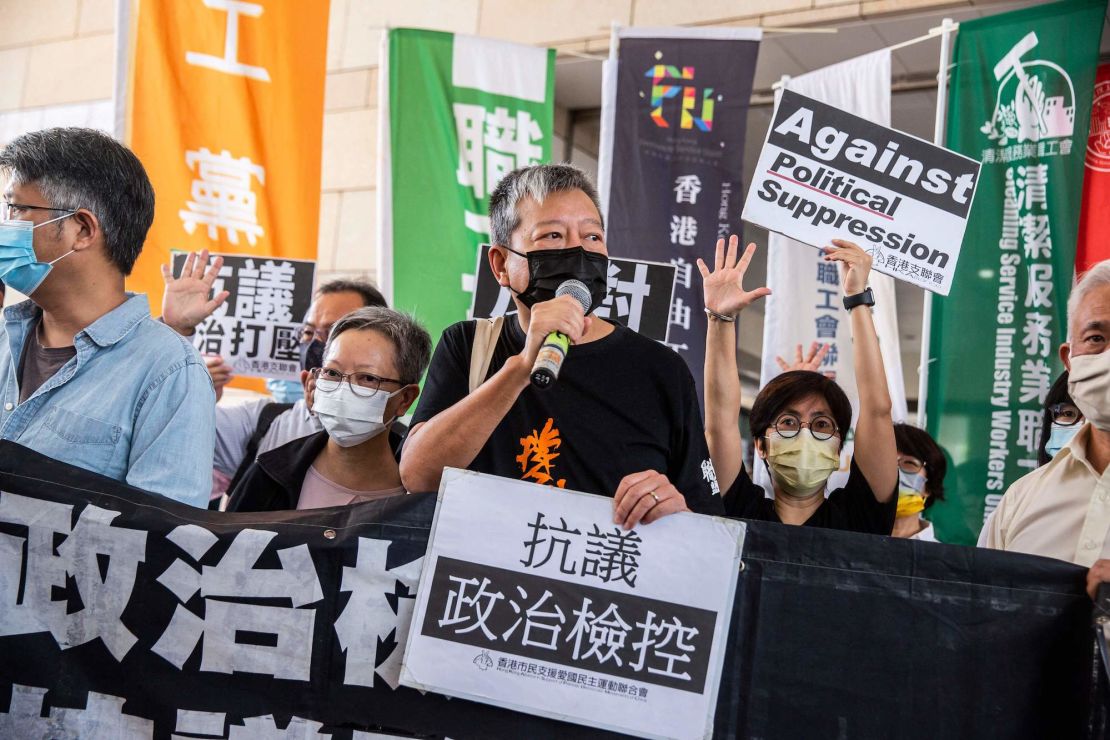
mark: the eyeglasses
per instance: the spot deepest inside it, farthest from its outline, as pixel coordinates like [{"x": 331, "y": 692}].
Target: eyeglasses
[
  {"x": 910, "y": 465},
  {"x": 7, "y": 210},
  {"x": 308, "y": 333},
  {"x": 821, "y": 427},
  {"x": 1065, "y": 414},
  {"x": 363, "y": 385}
]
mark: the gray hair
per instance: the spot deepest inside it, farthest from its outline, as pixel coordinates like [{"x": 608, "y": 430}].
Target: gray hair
[
  {"x": 83, "y": 168},
  {"x": 535, "y": 181},
  {"x": 1096, "y": 277},
  {"x": 411, "y": 343}
]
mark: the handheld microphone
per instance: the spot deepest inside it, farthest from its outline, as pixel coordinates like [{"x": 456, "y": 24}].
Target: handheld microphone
[{"x": 554, "y": 349}]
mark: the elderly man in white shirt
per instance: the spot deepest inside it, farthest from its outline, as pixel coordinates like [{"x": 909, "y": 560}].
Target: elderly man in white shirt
[{"x": 1062, "y": 510}]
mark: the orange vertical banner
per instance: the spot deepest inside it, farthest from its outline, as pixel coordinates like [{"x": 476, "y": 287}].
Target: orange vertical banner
[{"x": 225, "y": 106}]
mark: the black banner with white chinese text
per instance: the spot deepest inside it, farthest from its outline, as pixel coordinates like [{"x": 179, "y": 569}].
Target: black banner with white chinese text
[{"x": 123, "y": 610}]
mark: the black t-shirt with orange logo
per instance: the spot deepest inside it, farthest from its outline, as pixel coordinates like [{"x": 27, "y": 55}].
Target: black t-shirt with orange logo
[{"x": 622, "y": 404}]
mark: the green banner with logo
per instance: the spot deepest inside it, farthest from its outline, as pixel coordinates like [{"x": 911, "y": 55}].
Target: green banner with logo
[
  {"x": 458, "y": 114},
  {"x": 1019, "y": 100}
]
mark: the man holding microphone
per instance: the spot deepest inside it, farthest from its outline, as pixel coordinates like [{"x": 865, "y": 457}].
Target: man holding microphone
[{"x": 622, "y": 419}]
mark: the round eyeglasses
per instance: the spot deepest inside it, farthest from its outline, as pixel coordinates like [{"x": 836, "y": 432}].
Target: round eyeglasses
[
  {"x": 821, "y": 427},
  {"x": 910, "y": 465}
]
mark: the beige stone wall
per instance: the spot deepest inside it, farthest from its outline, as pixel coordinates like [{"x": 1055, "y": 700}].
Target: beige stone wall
[
  {"x": 60, "y": 52},
  {"x": 54, "y": 52}
]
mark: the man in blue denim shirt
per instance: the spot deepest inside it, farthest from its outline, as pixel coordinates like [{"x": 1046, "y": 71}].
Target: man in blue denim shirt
[{"x": 86, "y": 376}]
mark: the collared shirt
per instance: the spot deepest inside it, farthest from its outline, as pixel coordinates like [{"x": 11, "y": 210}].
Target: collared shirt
[
  {"x": 1060, "y": 510},
  {"x": 926, "y": 534},
  {"x": 235, "y": 425},
  {"x": 135, "y": 403}
]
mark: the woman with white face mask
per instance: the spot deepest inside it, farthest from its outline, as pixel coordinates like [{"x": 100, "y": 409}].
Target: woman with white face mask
[
  {"x": 372, "y": 363},
  {"x": 799, "y": 419},
  {"x": 921, "y": 471}
]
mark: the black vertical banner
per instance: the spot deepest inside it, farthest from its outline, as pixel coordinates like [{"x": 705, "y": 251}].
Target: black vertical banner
[{"x": 677, "y": 130}]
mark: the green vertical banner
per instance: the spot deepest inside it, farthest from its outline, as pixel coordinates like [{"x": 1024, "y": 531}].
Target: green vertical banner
[
  {"x": 457, "y": 113},
  {"x": 1019, "y": 100}
]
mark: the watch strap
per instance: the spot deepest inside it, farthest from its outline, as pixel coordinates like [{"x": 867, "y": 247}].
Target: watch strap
[{"x": 866, "y": 298}]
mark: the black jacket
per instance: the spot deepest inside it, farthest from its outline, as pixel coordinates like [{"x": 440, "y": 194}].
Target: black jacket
[{"x": 273, "y": 481}]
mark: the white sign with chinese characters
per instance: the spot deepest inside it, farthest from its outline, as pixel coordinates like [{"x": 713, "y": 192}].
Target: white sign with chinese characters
[
  {"x": 257, "y": 329},
  {"x": 534, "y": 600},
  {"x": 825, "y": 174}
]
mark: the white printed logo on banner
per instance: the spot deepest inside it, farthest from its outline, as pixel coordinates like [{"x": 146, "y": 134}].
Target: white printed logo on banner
[
  {"x": 824, "y": 173},
  {"x": 1034, "y": 110},
  {"x": 1036, "y": 99}
]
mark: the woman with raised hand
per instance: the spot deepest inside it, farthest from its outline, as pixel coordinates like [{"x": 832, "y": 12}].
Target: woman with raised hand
[{"x": 800, "y": 419}]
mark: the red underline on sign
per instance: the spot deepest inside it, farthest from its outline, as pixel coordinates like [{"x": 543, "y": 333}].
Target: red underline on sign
[{"x": 830, "y": 195}]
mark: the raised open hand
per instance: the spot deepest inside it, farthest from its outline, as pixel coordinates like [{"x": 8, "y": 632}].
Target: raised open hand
[
  {"x": 808, "y": 361},
  {"x": 723, "y": 288},
  {"x": 185, "y": 303}
]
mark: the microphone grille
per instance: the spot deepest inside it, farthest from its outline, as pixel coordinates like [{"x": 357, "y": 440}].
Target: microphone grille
[{"x": 577, "y": 290}]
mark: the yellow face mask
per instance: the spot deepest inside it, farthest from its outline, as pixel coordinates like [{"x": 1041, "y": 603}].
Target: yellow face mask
[
  {"x": 911, "y": 496},
  {"x": 802, "y": 464},
  {"x": 910, "y": 504}
]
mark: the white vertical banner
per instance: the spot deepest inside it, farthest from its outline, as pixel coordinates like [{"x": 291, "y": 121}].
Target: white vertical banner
[{"x": 805, "y": 303}]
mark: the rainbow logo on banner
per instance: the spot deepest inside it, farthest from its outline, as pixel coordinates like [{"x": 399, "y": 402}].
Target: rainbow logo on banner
[{"x": 661, "y": 91}]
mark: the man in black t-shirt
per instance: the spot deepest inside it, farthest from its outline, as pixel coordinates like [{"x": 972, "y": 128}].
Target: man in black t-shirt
[{"x": 622, "y": 419}]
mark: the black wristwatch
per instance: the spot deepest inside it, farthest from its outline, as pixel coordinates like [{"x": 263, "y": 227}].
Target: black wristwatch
[{"x": 866, "y": 298}]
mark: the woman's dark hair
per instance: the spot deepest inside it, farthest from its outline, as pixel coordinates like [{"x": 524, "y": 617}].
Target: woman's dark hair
[
  {"x": 916, "y": 442},
  {"x": 1058, "y": 393},
  {"x": 789, "y": 388}
]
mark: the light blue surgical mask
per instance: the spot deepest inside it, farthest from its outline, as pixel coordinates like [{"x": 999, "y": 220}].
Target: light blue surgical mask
[
  {"x": 911, "y": 482},
  {"x": 1059, "y": 437},
  {"x": 285, "y": 391},
  {"x": 19, "y": 266}
]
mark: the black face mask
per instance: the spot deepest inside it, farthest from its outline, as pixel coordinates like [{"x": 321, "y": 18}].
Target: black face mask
[
  {"x": 312, "y": 354},
  {"x": 550, "y": 268}
]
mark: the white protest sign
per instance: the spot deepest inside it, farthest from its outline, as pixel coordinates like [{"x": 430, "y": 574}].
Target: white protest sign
[
  {"x": 257, "y": 329},
  {"x": 825, "y": 174},
  {"x": 533, "y": 600}
]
